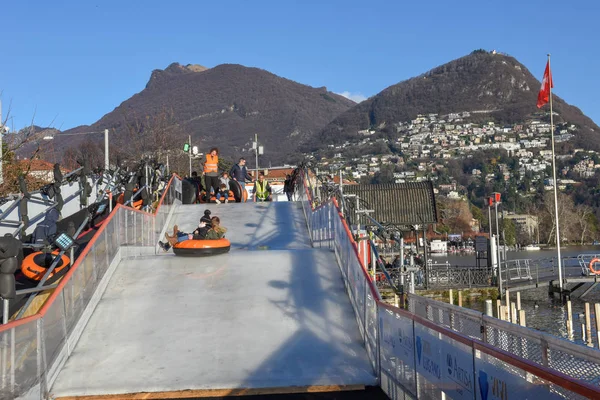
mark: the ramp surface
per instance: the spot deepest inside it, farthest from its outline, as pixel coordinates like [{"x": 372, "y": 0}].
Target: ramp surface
[{"x": 271, "y": 313}]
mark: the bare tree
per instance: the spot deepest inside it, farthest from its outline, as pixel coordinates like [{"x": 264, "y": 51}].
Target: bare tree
[
  {"x": 583, "y": 220},
  {"x": 28, "y": 141},
  {"x": 566, "y": 218}
]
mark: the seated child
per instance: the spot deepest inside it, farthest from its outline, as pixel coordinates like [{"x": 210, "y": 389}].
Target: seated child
[
  {"x": 223, "y": 192},
  {"x": 223, "y": 188},
  {"x": 217, "y": 231}
]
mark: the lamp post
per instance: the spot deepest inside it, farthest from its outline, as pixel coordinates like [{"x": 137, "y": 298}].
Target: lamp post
[
  {"x": 496, "y": 198},
  {"x": 490, "y": 203},
  {"x": 258, "y": 150}
]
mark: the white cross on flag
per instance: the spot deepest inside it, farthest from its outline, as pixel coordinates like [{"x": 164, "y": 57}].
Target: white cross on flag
[{"x": 544, "y": 94}]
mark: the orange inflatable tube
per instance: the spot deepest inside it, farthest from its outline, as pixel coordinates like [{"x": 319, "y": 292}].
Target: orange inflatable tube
[
  {"x": 200, "y": 248},
  {"x": 34, "y": 265},
  {"x": 213, "y": 198},
  {"x": 592, "y": 270}
]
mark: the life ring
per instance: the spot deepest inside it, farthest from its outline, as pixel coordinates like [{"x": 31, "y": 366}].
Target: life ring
[
  {"x": 200, "y": 248},
  {"x": 592, "y": 270},
  {"x": 34, "y": 266}
]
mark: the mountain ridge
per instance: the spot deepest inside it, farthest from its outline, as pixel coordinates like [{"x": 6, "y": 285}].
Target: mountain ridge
[
  {"x": 225, "y": 106},
  {"x": 489, "y": 81}
]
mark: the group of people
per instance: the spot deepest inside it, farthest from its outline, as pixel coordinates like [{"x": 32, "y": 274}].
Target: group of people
[
  {"x": 219, "y": 184},
  {"x": 209, "y": 228}
]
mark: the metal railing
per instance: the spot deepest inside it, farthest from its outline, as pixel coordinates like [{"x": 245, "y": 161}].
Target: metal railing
[
  {"x": 436, "y": 349},
  {"x": 517, "y": 269},
  {"x": 442, "y": 276},
  {"x": 544, "y": 349},
  {"x": 34, "y": 349}
]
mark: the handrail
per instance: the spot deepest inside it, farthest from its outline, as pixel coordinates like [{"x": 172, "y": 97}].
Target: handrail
[
  {"x": 556, "y": 377},
  {"x": 42, "y": 312},
  {"x": 476, "y": 343}
]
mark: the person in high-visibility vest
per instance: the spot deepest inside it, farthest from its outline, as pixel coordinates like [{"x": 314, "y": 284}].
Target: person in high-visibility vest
[
  {"x": 262, "y": 189},
  {"x": 211, "y": 172}
]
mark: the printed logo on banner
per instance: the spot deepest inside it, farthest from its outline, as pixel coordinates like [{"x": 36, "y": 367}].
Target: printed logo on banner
[
  {"x": 499, "y": 388},
  {"x": 462, "y": 376},
  {"x": 483, "y": 384},
  {"x": 425, "y": 356},
  {"x": 388, "y": 336},
  {"x": 405, "y": 340}
]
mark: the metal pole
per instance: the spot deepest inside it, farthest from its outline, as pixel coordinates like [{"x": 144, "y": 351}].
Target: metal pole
[
  {"x": 167, "y": 171},
  {"x": 494, "y": 271},
  {"x": 357, "y": 216},
  {"x": 256, "y": 154},
  {"x": 401, "y": 252},
  {"x": 560, "y": 282},
  {"x": 425, "y": 267},
  {"x": 498, "y": 261},
  {"x": 106, "y": 159},
  {"x": 190, "y": 154},
  {"x": 5, "y": 311},
  {"x": 490, "y": 219},
  {"x": 341, "y": 194}
]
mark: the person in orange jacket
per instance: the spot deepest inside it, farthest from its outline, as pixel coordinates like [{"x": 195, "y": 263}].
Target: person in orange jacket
[{"x": 211, "y": 172}]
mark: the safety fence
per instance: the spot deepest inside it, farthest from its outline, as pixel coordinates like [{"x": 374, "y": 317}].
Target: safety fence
[
  {"x": 434, "y": 350},
  {"x": 33, "y": 349},
  {"x": 541, "y": 348},
  {"x": 441, "y": 276}
]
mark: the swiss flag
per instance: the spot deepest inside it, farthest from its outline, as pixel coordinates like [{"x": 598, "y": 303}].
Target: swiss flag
[{"x": 544, "y": 93}]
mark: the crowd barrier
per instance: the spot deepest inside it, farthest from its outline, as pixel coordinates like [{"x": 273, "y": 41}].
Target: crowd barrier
[
  {"x": 34, "y": 349},
  {"x": 432, "y": 351}
]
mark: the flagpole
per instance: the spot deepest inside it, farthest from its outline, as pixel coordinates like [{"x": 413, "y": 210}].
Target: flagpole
[{"x": 555, "y": 186}]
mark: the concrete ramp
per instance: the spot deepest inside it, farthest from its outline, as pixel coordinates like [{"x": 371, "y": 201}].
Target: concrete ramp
[{"x": 271, "y": 314}]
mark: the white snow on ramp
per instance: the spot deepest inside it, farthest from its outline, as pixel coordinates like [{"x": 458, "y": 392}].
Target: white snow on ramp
[{"x": 271, "y": 313}]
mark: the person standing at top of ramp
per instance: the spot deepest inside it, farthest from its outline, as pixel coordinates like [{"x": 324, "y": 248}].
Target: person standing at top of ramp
[
  {"x": 211, "y": 172},
  {"x": 240, "y": 174},
  {"x": 288, "y": 187}
]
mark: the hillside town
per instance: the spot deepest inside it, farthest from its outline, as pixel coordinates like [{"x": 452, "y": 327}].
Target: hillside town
[
  {"x": 430, "y": 139},
  {"x": 422, "y": 149}
]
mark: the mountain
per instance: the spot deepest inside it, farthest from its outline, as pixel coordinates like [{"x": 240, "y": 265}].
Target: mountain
[
  {"x": 223, "y": 106},
  {"x": 492, "y": 86}
]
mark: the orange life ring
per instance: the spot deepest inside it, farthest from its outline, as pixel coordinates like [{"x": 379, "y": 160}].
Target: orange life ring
[
  {"x": 199, "y": 248},
  {"x": 592, "y": 270},
  {"x": 34, "y": 265}
]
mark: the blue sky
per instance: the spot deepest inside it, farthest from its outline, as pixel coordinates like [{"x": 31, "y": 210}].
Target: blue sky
[{"x": 67, "y": 63}]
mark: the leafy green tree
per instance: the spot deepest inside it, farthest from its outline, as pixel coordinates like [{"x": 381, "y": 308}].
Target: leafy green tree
[{"x": 509, "y": 231}]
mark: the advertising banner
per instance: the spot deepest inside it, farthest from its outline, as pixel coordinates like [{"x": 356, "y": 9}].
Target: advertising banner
[{"x": 397, "y": 348}]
